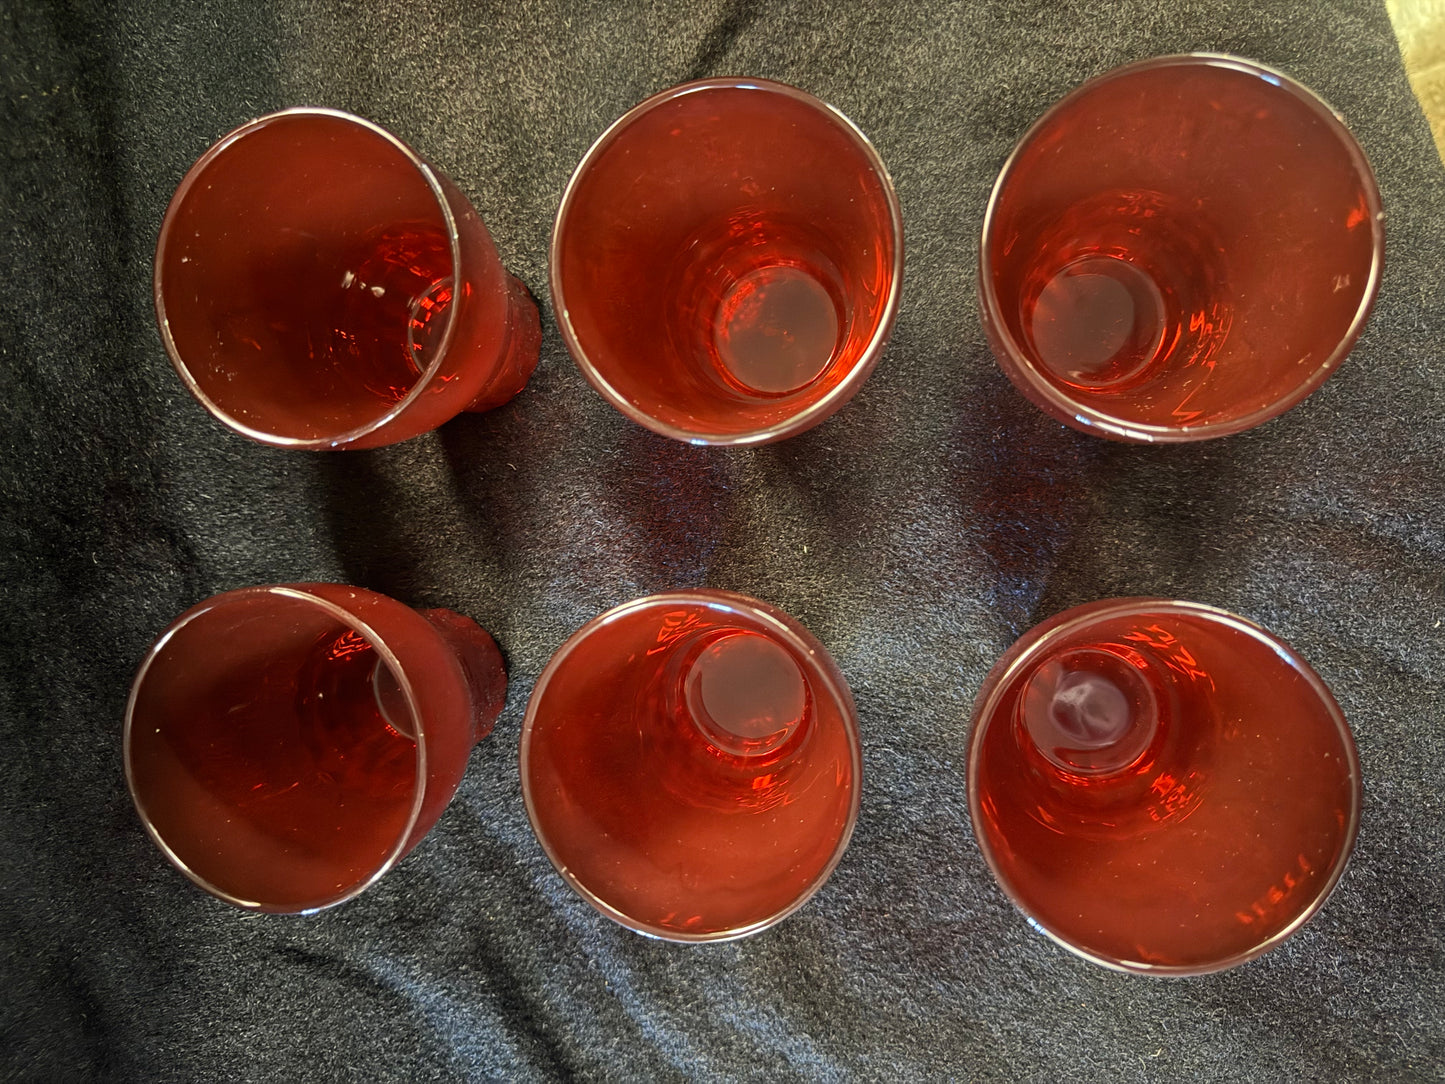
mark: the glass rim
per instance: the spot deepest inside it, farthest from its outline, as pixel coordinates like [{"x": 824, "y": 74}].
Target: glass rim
[
  {"x": 797, "y": 637},
  {"x": 1022, "y": 653},
  {"x": 1024, "y": 373},
  {"x": 296, "y": 593},
  {"x": 867, "y": 361},
  {"x": 193, "y": 174}
]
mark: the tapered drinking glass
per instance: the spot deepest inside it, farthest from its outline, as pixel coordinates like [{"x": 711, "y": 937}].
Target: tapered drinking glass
[
  {"x": 1179, "y": 249},
  {"x": 690, "y": 764},
  {"x": 287, "y": 745},
  {"x": 727, "y": 261},
  {"x": 1161, "y": 786},
  {"x": 318, "y": 284}
]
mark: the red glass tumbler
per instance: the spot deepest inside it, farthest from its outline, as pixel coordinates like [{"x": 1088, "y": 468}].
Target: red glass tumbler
[
  {"x": 1162, "y": 787},
  {"x": 319, "y": 285},
  {"x": 727, "y": 261},
  {"x": 287, "y": 745},
  {"x": 690, "y": 764},
  {"x": 1179, "y": 249}
]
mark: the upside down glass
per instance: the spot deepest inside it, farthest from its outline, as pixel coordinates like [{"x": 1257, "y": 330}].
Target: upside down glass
[
  {"x": 690, "y": 764},
  {"x": 319, "y": 285},
  {"x": 1161, "y": 786},
  {"x": 1179, "y": 249},
  {"x": 288, "y": 745},
  {"x": 727, "y": 261}
]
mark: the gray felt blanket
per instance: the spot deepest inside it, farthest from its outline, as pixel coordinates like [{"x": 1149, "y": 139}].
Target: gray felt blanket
[{"x": 916, "y": 533}]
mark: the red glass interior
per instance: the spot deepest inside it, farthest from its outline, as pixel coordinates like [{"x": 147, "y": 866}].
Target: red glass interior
[
  {"x": 691, "y": 764},
  {"x": 311, "y": 294},
  {"x": 1179, "y": 249},
  {"x": 1162, "y": 786},
  {"x": 286, "y": 745},
  {"x": 726, "y": 262}
]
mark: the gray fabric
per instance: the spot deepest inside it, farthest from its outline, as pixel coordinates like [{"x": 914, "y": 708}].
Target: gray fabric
[{"x": 917, "y": 534}]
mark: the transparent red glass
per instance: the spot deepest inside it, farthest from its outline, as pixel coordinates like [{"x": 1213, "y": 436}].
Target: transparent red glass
[
  {"x": 727, "y": 261},
  {"x": 319, "y": 285},
  {"x": 288, "y": 745},
  {"x": 690, "y": 764},
  {"x": 1179, "y": 249},
  {"x": 1161, "y": 786}
]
